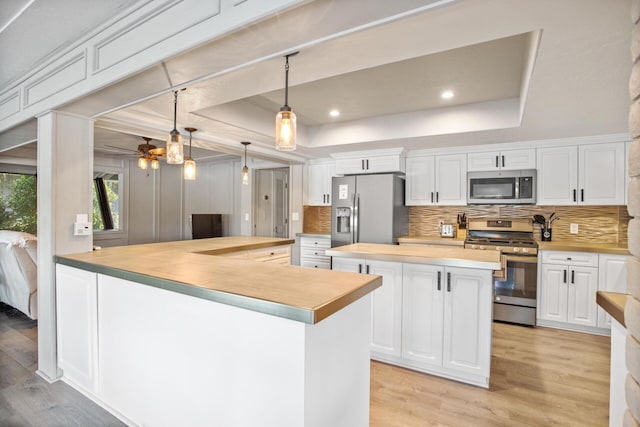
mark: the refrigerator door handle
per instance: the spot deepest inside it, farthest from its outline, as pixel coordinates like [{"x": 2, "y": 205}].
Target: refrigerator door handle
[
  {"x": 356, "y": 216},
  {"x": 352, "y": 217}
]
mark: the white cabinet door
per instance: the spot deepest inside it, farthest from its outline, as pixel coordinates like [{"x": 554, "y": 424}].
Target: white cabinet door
[
  {"x": 379, "y": 164},
  {"x": 601, "y": 172},
  {"x": 451, "y": 180},
  {"x": 552, "y": 293},
  {"x": 386, "y": 310},
  {"x": 502, "y": 160},
  {"x": 467, "y": 320},
  {"x": 420, "y": 181},
  {"x": 422, "y": 317},
  {"x": 77, "y": 323},
  {"x": 350, "y": 265},
  {"x": 350, "y": 166},
  {"x": 557, "y": 175},
  {"x": 487, "y": 161},
  {"x": 518, "y": 159},
  {"x": 319, "y": 184},
  {"x": 612, "y": 277},
  {"x": 582, "y": 307}
]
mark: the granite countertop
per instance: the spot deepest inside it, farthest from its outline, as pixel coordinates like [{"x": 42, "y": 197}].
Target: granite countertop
[
  {"x": 613, "y": 303},
  {"x": 445, "y": 256},
  {"x": 191, "y": 267},
  {"x": 602, "y": 248}
]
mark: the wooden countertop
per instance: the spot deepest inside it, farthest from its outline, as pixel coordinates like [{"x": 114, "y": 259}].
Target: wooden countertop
[
  {"x": 613, "y": 303},
  {"x": 191, "y": 267},
  {"x": 602, "y": 248},
  {"x": 445, "y": 256},
  {"x": 432, "y": 240}
]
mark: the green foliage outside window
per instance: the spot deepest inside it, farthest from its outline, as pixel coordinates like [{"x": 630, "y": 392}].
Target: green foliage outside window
[
  {"x": 18, "y": 203},
  {"x": 112, "y": 183}
]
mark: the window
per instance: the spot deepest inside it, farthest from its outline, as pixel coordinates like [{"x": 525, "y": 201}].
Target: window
[
  {"x": 106, "y": 201},
  {"x": 18, "y": 202}
]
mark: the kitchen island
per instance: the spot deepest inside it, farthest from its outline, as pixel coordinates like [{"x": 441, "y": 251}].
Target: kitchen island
[
  {"x": 433, "y": 312},
  {"x": 178, "y": 333}
]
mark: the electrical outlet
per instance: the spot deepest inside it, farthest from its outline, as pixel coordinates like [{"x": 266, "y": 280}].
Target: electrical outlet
[{"x": 573, "y": 228}]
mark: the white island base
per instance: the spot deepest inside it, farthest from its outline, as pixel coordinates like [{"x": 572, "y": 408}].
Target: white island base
[{"x": 154, "y": 357}]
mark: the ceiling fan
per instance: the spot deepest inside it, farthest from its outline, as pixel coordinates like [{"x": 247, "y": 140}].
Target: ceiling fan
[{"x": 147, "y": 153}]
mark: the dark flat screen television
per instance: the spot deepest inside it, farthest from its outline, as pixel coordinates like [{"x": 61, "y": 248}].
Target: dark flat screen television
[{"x": 204, "y": 226}]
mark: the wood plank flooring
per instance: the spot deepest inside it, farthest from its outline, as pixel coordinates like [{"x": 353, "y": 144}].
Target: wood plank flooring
[
  {"x": 539, "y": 377},
  {"x": 25, "y": 398}
]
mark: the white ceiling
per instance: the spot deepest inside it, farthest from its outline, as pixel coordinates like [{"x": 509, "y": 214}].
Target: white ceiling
[{"x": 520, "y": 70}]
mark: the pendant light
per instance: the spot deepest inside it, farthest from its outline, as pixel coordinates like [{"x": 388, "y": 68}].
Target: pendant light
[
  {"x": 245, "y": 169},
  {"x": 175, "y": 153},
  {"x": 189, "y": 163},
  {"x": 286, "y": 118}
]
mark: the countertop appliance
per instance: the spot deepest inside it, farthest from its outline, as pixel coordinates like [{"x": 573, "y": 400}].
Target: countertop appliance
[
  {"x": 515, "y": 295},
  {"x": 369, "y": 209},
  {"x": 502, "y": 187}
]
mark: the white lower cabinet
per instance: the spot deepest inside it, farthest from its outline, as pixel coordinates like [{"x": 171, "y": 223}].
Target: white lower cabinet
[
  {"x": 76, "y": 317},
  {"x": 312, "y": 252},
  {"x": 612, "y": 277},
  {"x": 430, "y": 318},
  {"x": 386, "y": 302},
  {"x": 567, "y": 290}
]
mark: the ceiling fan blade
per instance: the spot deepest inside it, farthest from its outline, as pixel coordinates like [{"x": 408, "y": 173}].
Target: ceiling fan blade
[{"x": 128, "y": 150}]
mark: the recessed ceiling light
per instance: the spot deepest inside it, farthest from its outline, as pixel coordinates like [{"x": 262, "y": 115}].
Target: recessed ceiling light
[
  {"x": 334, "y": 113},
  {"x": 447, "y": 94}
]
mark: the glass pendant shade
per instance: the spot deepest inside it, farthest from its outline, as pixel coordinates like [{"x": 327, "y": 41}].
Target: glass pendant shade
[
  {"x": 189, "y": 169},
  {"x": 286, "y": 130},
  {"x": 142, "y": 163},
  {"x": 175, "y": 151},
  {"x": 245, "y": 175},
  {"x": 155, "y": 164}
]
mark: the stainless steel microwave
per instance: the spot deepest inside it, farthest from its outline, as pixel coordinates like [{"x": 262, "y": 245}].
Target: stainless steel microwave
[{"x": 502, "y": 187}]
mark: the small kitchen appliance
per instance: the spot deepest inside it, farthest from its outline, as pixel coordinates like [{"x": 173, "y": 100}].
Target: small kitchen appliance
[
  {"x": 502, "y": 187},
  {"x": 515, "y": 295}
]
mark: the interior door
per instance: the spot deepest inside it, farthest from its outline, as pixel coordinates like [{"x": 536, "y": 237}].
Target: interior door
[{"x": 271, "y": 202}]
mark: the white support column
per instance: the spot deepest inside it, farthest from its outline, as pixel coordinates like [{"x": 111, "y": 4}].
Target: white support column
[{"x": 65, "y": 173}]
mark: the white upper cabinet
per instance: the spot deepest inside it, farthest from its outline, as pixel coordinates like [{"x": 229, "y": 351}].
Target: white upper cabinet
[
  {"x": 371, "y": 161},
  {"x": 502, "y": 160},
  {"x": 318, "y": 183},
  {"x": 436, "y": 180},
  {"x": 587, "y": 174}
]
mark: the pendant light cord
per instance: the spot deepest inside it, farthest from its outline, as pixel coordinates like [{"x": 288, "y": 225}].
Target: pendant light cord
[
  {"x": 286, "y": 82},
  {"x": 175, "y": 109}
]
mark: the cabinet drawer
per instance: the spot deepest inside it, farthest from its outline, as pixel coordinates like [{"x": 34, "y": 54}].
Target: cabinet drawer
[
  {"x": 313, "y": 252},
  {"x": 326, "y": 265},
  {"x": 585, "y": 259},
  {"x": 314, "y": 242},
  {"x": 281, "y": 255}
]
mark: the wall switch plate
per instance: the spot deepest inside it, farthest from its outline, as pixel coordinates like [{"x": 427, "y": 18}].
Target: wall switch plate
[
  {"x": 573, "y": 228},
  {"x": 295, "y": 216}
]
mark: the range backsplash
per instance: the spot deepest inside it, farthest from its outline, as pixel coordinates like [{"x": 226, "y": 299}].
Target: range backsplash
[{"x": 597, "y": 224}]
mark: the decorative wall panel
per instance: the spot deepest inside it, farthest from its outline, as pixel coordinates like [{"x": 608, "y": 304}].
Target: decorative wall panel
[
  {"x": 59, "y": 78},
  {"x": 10, "y": 105}
]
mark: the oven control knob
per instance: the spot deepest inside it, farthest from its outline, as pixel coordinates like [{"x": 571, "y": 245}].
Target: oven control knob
[
  {"x": 480, "y": 247},
  {"x": 497, "y": 298},
  {"x": 525, "y": 250},
  {"x": 498, "y": 248},
  {"x": 517, "y": 250}
]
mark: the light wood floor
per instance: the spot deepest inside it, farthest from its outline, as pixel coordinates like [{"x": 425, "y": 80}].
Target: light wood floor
[{"x": 539, "y": 377}]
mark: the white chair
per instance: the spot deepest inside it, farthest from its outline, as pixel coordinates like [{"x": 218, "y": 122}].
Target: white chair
[{"x": 19, "y": 271}]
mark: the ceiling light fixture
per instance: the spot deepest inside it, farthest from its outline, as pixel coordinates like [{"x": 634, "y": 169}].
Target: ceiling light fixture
[
  {"x": 155, "y": 164},
  {"x": 447, "y": 94},
  {"x": 148, "y": 154},
  {"x": 175, "y": 152},
  {"x": 142, "y": 163},
  {"x": 334, "y": 113},
  {"x": 286, "y": 119},
  {"x": 245, "y": 169},
  {"x": 189, "y": 163}
]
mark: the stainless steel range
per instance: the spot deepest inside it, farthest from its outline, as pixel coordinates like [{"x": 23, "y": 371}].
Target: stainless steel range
[{"x": 515, "y": 294}]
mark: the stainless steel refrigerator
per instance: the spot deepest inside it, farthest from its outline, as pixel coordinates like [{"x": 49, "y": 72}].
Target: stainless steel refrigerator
[{"x": 368, "y": 209}]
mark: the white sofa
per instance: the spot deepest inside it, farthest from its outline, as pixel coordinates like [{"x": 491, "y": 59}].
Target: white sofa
[{"x": 19, "y": 271}]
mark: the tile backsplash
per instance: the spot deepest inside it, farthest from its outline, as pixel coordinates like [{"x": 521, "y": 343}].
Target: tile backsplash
[{"x": 596, "y": 224}]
